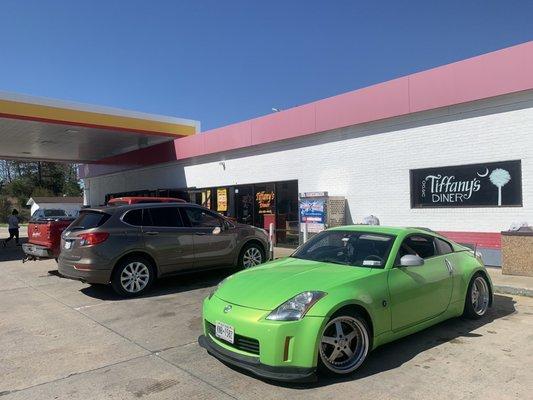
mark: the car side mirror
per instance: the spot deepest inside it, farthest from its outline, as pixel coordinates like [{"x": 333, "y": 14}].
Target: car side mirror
[
  {"x": 217, "y": 230},
  {"x": 411, "y": 260},
  {"x": 227, "y": 225}
]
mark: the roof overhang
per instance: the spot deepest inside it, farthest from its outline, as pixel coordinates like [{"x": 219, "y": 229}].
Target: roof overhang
[
  {"x": 503, "y": 72},
  {"x": 53, "y": 130}
]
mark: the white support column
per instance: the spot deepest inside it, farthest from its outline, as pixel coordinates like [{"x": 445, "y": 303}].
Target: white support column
[{"x": 271, "y": 240}]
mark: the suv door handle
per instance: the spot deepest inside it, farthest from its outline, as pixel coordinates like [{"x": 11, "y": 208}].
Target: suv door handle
[
  {"x": 200, "y": 233},
  {"x": 151, "y": 233}
]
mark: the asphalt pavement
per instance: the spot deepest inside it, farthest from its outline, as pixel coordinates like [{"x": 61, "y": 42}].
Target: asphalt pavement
[{"x": 62, "y": 339}]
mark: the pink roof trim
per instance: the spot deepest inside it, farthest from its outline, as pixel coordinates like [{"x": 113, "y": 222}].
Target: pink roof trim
[{"x": 493, "y": 74}]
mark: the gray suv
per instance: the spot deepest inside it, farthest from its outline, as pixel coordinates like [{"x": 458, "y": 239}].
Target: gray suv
[{"x": 131, "y": 246}]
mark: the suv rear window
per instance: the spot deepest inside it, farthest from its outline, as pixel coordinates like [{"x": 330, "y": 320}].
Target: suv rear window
[{"x": 89, "y": 219}]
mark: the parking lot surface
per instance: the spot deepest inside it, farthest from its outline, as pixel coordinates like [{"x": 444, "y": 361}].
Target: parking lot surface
[{"x": 62, "y": 339}]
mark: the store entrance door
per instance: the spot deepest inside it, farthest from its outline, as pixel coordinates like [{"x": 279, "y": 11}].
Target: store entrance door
[
  {"x": 265, "y": 204},
  {"x": 244, "y": 200}
]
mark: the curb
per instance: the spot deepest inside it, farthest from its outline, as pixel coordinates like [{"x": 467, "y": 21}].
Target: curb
[{"x": 513, "y": 290}]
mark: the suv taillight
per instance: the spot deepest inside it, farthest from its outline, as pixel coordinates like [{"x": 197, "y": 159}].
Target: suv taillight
[{"x": 88, "y": 239}]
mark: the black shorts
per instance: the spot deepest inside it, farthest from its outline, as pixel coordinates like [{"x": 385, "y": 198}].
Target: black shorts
[{"x": 13, "y": 233}]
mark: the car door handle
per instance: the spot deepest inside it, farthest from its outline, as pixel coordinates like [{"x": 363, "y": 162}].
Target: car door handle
[
  {"x": 200, "y": 233},
  {"x": 449, "y": 266},
  {"x": 151, "y": 233}
]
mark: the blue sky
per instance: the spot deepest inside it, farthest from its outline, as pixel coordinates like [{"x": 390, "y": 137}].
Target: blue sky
[{"x": 226, "y": 61}]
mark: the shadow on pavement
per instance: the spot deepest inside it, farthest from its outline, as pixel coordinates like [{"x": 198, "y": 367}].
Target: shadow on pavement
[
  {"x": 166, "y": 285},
  {"x": 394, "y": 354},
  {"x": 387, "y": 357},
  {"x": 11, "y": 252}
]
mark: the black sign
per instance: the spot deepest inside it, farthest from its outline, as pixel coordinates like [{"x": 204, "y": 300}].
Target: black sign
[{"x": 495, "y": 184}]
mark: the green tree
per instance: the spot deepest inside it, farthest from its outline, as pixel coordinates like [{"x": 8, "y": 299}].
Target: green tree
[
  {"x": 5, "y": 208},
  {"x": 19, "y": 180},
  {"x": 39, "y": 191}
]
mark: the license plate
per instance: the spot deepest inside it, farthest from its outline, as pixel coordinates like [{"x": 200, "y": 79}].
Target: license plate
[
  {"x": 225, "y": 332},
  {"x": 68, "y": 244}
]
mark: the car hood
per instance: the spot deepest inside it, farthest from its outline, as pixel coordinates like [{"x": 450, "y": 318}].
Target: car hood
[{"x": 268, "y": 286}]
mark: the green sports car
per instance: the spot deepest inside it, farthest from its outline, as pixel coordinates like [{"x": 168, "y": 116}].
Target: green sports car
[{"x": 343, "y": 293}]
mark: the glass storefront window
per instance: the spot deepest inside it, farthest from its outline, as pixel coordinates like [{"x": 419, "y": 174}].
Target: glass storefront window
[
  {"x": 244, "y": 204},
  {"x": 256, "y": 204},
  {"x": 222, "y": 200},
  {"x": 201, "y": 197},
  {"x": 287, "y": 214},
  {"x": 265, "y": 204}
]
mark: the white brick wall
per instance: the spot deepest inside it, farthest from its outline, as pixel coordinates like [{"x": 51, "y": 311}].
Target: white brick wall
[{"x": 370, "y": 164}]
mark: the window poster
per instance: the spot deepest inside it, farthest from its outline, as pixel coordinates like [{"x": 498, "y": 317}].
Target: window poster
[{"x": 222, "y": 199}]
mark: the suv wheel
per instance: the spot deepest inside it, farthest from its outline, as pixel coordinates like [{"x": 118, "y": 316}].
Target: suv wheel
[
  {"x": 133, "y": 277},
  {"x": 251, "y": 255}
]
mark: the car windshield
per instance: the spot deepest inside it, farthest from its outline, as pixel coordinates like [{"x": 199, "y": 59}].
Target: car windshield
[{"x": 362, "y": 249}]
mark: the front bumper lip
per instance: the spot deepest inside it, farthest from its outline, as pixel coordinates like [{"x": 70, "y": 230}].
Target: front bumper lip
[{"x": 253, "y": 365}]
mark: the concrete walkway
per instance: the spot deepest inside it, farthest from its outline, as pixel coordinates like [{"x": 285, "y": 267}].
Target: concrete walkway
[{"x": 511, "y": 284}]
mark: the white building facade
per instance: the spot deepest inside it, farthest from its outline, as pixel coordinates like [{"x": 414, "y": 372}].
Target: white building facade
[{"x": 371, "y": 164}]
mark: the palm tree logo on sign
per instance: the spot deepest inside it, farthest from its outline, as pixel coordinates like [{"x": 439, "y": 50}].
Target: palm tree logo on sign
[{"x": 499, "y": 178}]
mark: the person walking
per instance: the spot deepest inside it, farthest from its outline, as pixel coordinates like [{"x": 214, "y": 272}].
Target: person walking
[{"x": 13, "y": 228}]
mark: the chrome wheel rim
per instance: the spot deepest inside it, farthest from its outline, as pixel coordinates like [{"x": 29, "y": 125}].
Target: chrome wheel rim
[
  {"x": 480, "y": 295},
  {"x": 343, "y": 345},
  {"x": 252, "y": 257},
  {"x": 134, "y": 277}
]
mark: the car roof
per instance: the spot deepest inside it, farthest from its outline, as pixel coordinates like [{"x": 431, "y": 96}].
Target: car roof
[
  {"x": 123, "y": 207},
  {"x": 387, "y": 230},
  {"x": 155, "y": 199}
]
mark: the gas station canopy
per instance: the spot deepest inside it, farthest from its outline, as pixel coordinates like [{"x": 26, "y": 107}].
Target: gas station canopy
[{"x": 53, "y": 130}]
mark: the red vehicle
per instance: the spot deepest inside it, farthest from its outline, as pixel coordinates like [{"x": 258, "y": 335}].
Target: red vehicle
[
  {"x": 44, "y": 237},
  {"x": 120, "y": 201}
]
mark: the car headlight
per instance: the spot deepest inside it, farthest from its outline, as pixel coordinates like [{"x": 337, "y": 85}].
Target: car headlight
[{"x": 295, "y": 308}]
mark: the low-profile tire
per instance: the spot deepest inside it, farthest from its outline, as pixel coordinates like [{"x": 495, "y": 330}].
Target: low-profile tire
[
  {"x": 133, "y": 276},
  {"x": 477, "y": 297},
  {"x": 251, "y": 255},
  {"x": 344, "y": 344}
]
